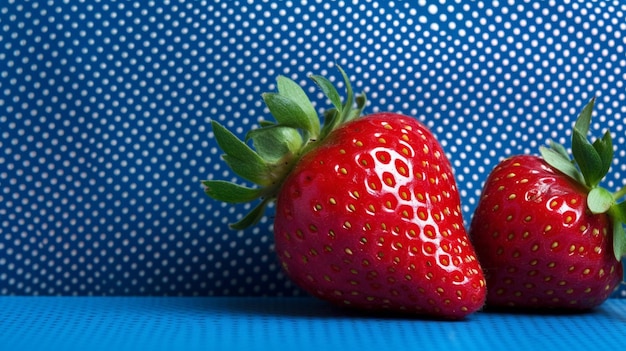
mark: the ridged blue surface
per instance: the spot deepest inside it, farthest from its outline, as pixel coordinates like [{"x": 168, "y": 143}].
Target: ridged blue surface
[{"x": 156, "y": 323}]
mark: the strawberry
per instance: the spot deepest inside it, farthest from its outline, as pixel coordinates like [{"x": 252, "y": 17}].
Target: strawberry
[
  {"x": 546, "y": 233},
  {"x": 367, "y": 210}
]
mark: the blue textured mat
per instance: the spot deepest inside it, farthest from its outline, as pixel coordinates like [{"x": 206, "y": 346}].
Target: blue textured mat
[{"x": 161, "y": 323}]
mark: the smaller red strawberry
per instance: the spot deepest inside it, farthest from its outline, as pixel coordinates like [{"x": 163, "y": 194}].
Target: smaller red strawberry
[
  {"x": 367, "y": 209},
  {"x": 546, "y": 233}
]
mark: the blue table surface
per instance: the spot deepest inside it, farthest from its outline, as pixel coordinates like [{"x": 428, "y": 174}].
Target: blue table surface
[{"x": 192, "y": 323}]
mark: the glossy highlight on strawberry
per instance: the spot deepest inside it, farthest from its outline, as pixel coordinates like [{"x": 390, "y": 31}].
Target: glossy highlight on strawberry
[{"x": 367, "y": 210}]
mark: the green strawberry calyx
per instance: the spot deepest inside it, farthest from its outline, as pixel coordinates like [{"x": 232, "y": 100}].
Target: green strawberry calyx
[
  {"x": 278, "y": 145},
  {"x": 590, "y": 164}
]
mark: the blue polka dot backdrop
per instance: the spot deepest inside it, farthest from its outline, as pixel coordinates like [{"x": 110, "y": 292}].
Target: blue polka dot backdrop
[{"x": 105, "y": 111}]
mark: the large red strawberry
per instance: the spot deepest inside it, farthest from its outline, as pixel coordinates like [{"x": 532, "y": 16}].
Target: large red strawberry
[
  {"x": 367, "y": 213},
  {"x": 546, "y": 234}
]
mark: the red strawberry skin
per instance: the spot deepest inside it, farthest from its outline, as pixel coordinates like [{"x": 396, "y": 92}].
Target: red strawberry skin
[
  {"x": 371, "y": 219},
  {"x": 539, "y": 245}
]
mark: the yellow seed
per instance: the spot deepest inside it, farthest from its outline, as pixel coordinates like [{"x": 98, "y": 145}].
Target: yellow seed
[
  {"x": 348, "y": 251},
  {"x": 358, "y": 143},
  {"x": 343, "y": 171},
  {"x": 332, "y": 201}
]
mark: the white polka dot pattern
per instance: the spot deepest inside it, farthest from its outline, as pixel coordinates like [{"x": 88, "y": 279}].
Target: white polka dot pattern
[{"x": 105, "y": 110}]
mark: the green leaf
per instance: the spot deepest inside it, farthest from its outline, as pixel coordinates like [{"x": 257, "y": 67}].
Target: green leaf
[
  {"x": 229, "y": 192},
  {"x": 618, "y": 211},
  {"x": 330, "y": 116},
  {"x": 560, "y": 149},
  {"x": 346, "y": 112},
  {"x": 619, "y": 240},
  {"x": 361, "y": 100},
  {"x": 587, "y": 158},
  {"x": 289, "y": 113},
  {"x": 604, "y": 148},
  {"x": 240, "y": 157},
  {"x": 560, "y": 162},
  {"x": 273, "y": 143},
  {"x": 599, "y": 200},
  {"x": 264, "y": 123},
  {"x": 252, "y": 217},
  {"x": 584, "y": 118},
  {"x": 329, "y": 91},
  {"x": 293, "y": 91}
]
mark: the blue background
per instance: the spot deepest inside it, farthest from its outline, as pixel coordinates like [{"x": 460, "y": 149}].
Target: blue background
[{"x": 105, "y": 111}]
